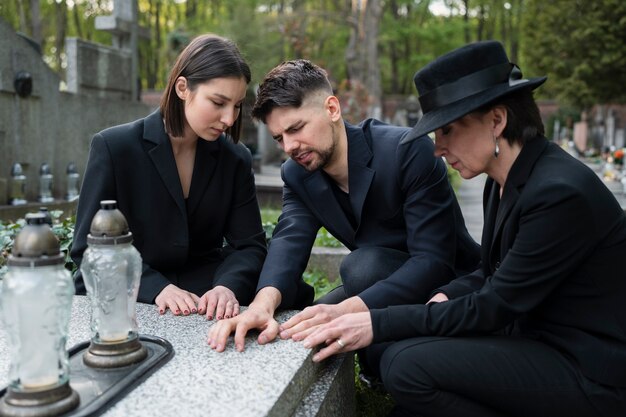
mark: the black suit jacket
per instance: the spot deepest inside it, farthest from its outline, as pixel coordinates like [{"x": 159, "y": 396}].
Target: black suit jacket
[
  {"x": 553, "y": 253},
  {"x": 401, "y": 199},
  {"x": 181, "y": 242}
]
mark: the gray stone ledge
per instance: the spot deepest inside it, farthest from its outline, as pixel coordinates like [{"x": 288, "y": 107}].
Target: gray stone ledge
[{"x": 327, "y": 261}]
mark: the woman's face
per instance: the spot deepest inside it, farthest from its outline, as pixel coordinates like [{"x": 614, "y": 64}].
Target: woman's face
[
  {"x": 213, "y": 106},
  {"x": 467, "y": 144}
]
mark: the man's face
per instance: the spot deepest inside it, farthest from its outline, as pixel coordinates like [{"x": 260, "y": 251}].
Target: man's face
[{"x": 306, "y": 133}]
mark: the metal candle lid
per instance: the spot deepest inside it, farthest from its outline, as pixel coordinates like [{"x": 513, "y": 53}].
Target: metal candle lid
[
  {"x": 35, "y": 244},
  {"x": 44, "y": 169},
  {"x": 17, "y": 170},
  {"x": 71, "y": 168},
  {"x": 109, "y": 226}
]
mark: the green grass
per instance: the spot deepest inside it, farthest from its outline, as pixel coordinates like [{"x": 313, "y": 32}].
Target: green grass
[
  {"x": 269, "y": 218},
  {"x": 370, "y": 402}
]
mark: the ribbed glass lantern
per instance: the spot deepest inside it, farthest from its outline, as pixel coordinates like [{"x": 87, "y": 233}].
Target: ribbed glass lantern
[
  {"x": 17, "y": 193},
  {"x": 45, "y": 184},
  {"x": 37, "y": 295},
  {"x": 111, "y": 269},
  {"x": 73, "y": 182}
]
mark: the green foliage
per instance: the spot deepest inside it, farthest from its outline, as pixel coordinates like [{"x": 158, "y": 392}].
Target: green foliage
[
  {"x": 325, "y": 239},
  {"x": 370, "y": 401},
  {"x": 269, "y": 230},
  {"x": 454, "y": 177},
  {"x": 8, "y": 231},
  {"x": 62, "y": 228},
  {"x": 319, "y": 282},
  {"x": 269, "y": 218},
  {"x": 580, "y": 46},
  {"x": 577, "y": 43},
  {"x": 64, "y": 231}
]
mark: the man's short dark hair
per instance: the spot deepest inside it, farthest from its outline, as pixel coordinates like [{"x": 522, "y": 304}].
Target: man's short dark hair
[{"x": 288, "y": 85}]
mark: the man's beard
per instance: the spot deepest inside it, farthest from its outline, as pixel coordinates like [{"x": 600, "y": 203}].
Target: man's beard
[{"x": 324, "y": 155}]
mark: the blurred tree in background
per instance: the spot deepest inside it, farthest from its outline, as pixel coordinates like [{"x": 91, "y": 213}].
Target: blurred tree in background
[
  {"x": 581, "y": 46},
  {"x": 376, "y": 45}
]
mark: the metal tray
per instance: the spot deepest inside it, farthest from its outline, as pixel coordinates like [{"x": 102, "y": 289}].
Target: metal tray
[{"x": 99, "y": 389}]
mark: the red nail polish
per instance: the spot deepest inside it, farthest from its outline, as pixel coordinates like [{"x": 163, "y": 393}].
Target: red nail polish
[
  {"x": 193, "y": 311},
  {"x": 186, "y": 312},
  {"x": 227, "y": 317},
  {"x": 219, "y": 317},
  {"x": 210, "y": 317}
]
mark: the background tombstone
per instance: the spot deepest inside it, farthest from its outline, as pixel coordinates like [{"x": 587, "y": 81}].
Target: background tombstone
[
  {"x": 54, "y": 126},
  {"x": 581, "y": 130},
  {"x": 609, "y": 123},
  {"x": 413, "y": 110},
  {"x": 122, "y": 24}
]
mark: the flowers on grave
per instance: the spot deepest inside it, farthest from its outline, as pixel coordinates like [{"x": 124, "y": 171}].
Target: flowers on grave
[{"x": 618, "y": 157}]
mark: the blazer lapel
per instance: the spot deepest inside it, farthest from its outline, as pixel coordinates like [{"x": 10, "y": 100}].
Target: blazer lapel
[
  {"x": 360, "y": 175},
  {"x": 318, "y": 187},
  {"x": 203, "y": 169},
  {"x": 518, "y": 175},
  {"x": 492, "y": 202},
  {"x": 163, "y": 157}
]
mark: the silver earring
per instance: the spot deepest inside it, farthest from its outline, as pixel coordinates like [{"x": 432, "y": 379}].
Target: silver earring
[{"x": 496, "y": 152}]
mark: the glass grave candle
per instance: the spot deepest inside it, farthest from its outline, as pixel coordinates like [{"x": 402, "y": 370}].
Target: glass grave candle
[
  {"x": 111, "y": 269},
  {"x": 37, "y": 294}
]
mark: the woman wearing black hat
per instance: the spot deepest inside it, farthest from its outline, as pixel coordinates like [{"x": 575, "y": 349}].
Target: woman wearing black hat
[{"x": 540, "y": 329}]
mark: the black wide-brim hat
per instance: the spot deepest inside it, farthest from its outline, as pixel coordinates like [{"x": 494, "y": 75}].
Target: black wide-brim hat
[{"x": 464, "y": 80}]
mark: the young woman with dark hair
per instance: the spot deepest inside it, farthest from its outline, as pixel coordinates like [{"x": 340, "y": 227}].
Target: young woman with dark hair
[{"x": 185, "y": 186}]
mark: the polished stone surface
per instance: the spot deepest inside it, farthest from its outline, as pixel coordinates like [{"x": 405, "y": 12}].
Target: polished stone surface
[{"x": 268, "y": 380}]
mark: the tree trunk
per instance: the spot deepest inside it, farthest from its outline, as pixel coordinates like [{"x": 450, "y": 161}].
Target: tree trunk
[
  {"x": 373, "y": 13},
  {"x": 515, "y": 32},
  {"x": 362, "y": 51},
  {"x": 77, "y": 22},
  {"x": 61, "y": 27},
  {"x": 22, "y": 14},
  {"x": 481, "y": 22},
  {"x": 353, "y": 50},
  {"x": 466, "y": 20},
  {"x": 36, "y": 22}
]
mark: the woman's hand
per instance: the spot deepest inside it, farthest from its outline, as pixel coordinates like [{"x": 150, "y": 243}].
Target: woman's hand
[
  {"x": 348, "y": 332},
  {"x": 177, "y": 300},
  {"x": 220, "y": 302}
]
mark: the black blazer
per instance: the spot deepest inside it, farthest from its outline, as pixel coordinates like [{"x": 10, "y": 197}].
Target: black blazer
[
  {"x": 181, "y": 242},
  {"x": 401, "y": 199},
  {"x": 553, "y": 268}
]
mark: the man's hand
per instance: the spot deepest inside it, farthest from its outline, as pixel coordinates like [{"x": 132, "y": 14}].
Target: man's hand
[
  {"x": 346, "y": 333},
  {"x": 220, "y": 301},
  {"x": 305, "y": 322},
  {"x": 438, "y": 298},
  {"x": 259, "y": 315},
  {"x": 177, "y": 300}
]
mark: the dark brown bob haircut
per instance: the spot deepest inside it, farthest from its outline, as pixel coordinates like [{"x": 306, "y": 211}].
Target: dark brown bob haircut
[{"x": 205, "y": 58}]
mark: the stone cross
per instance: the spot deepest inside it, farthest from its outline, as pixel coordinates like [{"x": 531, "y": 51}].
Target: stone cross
[{"x": 122, "y": 24}]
